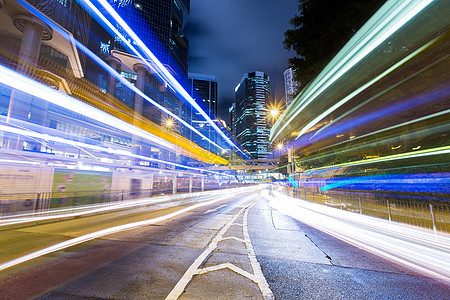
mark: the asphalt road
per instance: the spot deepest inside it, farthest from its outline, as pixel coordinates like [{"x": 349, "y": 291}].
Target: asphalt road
[{"x": 236, "y": 248}]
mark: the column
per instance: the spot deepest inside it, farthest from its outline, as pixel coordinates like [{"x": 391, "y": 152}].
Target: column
[
  {"x": 34, "y": 32},
  {"x": 203, "y": 184},
  {"x": 141, "y": 71},
  {"x": 151, "y": 185},
  {"x": 174, "y": 180},
  {"x": 151, "y": 181},
  {"x": 20, "y": 103},
  {"x": 190, "y": 184},
  {"x": 115, "y": 63}
]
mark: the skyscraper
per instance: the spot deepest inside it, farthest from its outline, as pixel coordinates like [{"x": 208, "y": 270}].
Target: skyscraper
[
  {"x": 252, "y": 95},
  {"x": 160, "y": 24},
  {"x": 203, "y": 89},
  {"x": 289, "y": 85},
  {"x": 232, "y": 113}
]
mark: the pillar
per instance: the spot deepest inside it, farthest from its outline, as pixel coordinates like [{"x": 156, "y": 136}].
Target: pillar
[
  {"x": 151, "y": 181},
  {"x": 20, "y": 103},
  {"x": 115, "y": 63},
  {"x": 203, "y": 184},
  {"x": 190, "y": 184},
  {"x": 141, "y": 71},
  {"x": 34, "y": 32},
  {"x": 174, "y": 181}
]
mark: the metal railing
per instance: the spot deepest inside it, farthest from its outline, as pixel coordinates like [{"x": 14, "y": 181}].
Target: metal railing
[{"x": 427, "y": 213}]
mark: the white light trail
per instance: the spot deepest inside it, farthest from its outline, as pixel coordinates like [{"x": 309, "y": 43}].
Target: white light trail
[
  {"x": 162, "y": 71},
  {"x": 364, "y": 87},
  {"x": 415, "y": 248},
  {"x": 106, "y": 207},
  {"x": 101, "y": 149},
  {"x": 108, "y": 231},
  {"x": 392, "y": 16},
  {"x": 19, "y": 162},
  {"x": 22, "y": 83},
  {"x": 109, "y": 69}
]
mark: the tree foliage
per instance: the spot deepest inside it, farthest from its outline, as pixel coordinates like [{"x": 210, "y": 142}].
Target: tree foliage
[{"x": 321, "y": 29}]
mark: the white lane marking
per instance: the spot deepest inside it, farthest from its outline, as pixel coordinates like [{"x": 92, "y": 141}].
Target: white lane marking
[
  {"x": 214, "y": 209},
  {"x": 193, "y": 269},
  {"x": 100, "y": 233},
  {"x": 262, "y": 283},
  {"x": 233, "y": 238},
  {"x": 231, "y": 267},
  {"x": 257, "y": 277}
]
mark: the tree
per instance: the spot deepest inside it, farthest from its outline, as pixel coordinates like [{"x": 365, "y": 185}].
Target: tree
[{"x": 321, "y": 29}]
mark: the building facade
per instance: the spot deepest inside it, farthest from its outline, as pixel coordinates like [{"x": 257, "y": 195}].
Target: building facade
[
  {"x": 252, "y": 96},
  {"x": 204, "y": 89},
  {"x": 72, "y": 71},
  {"x": 232, "y": 117},
  {"x": 290, "y": 85},
  {"x": 160, "y": 25}
]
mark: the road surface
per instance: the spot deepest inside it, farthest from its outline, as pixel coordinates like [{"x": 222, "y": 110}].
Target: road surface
[{"x": 237, "y": 246}]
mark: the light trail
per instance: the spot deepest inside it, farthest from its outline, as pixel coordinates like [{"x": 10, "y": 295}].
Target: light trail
[
  {"x": 363, "y": 88},
  {"x": 102, "y": 208},
  {"x": 415, "y": 154},
  {"x": 359, "y": 90},
  {"x": 438, "y": 114},
  {"x": 160, "y": 68},
  {"x": 47, "y": 137},
  {"x": 108, "y": 68},
  {"x": 415, "y": 183},
  {"x": 392, "y": 16},
  {"x": 415, "y": 248},
  {"x": 22, "y": 83},
  {"x": 116, "y": 229}
]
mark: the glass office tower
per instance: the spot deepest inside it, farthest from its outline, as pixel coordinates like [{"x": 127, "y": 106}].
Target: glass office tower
[
  {"x": 252, "y": 96},
  {"x": 203, "y": 89}
]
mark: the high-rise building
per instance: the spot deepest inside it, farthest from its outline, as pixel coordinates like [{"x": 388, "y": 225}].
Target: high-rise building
[
  {"x": 252, "y": 96},
  {"x": 203, "y": 89},
  {"x": 232, "y": 116},
  {"x": 290, "y": 85},
  {"x": 160, "y": 24}
]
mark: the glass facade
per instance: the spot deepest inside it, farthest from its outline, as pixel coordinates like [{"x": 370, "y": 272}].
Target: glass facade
[
  {"x": 290, "y": 85},
  {"x": 252, "y": 96},
  {"x": 203, "y": 89},
  {"x": 159, "y": 24}
]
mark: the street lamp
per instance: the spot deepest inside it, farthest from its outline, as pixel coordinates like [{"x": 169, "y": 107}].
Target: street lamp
[
  {"x": 274, "y": 112},
  {"x": 169, "y": 123}
]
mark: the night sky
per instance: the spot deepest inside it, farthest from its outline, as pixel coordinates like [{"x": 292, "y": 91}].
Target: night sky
[{"x": 231, "y": 37}]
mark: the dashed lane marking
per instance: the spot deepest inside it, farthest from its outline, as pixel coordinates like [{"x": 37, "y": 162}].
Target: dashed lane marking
[
  {"x": 214, "y": 209},
  {"x": 194, "y": 269}
]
